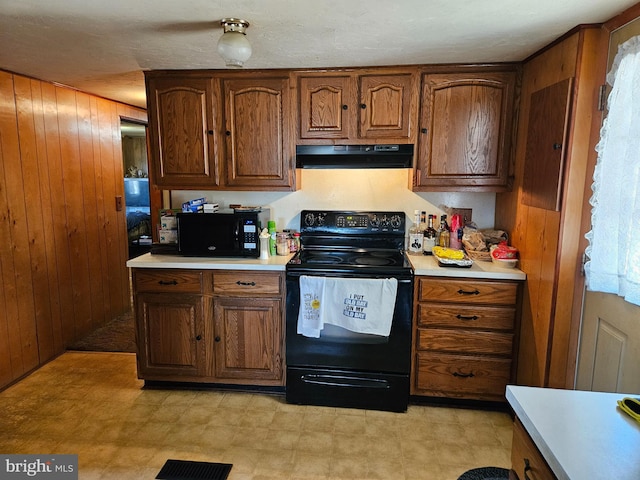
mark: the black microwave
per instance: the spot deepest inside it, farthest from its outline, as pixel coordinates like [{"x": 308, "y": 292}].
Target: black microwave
[{"x": 220, "y": 234}]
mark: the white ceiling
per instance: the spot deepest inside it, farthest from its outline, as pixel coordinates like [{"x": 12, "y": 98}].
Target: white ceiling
[{"x": 102, "y": 46}]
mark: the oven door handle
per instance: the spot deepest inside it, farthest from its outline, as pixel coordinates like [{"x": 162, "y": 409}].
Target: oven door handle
[{"x": 342, "y": 381}]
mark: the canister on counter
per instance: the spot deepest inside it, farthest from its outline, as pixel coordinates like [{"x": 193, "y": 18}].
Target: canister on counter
[{"x": 282, "y": 244}]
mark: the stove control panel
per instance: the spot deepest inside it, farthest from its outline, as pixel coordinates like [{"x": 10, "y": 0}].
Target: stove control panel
[{"x": 351, "y": 222}]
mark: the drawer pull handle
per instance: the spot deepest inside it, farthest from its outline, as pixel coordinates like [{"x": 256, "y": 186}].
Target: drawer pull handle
[
  {"x": 464, "y": 317},
  {"x": 465, "y": 292},
  {"x": 247, "y": 284},
  {"x": 168, "y": 282},
  {"x": 463, "y": 375},
  {"x": 527, "y": 469}
]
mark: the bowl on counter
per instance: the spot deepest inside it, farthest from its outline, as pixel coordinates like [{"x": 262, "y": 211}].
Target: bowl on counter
[{"x": 504, "y": 262}]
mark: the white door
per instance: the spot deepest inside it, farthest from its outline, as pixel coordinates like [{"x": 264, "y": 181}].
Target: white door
[
  {"x": 609, "y": 359},
  {"x": 609, "y": 351}
]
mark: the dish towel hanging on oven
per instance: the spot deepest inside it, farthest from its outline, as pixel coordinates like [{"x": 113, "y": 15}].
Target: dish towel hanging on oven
[{"x": 361, "y": 305}]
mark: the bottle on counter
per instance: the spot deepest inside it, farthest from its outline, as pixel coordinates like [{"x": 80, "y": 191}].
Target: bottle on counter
[
  {"x": 430, "y": 237},
  {"x": 415, "y": 235},
  {"x": 443, "y": 232},
  {"x": 456, "y": 232},
  {"x": 271, "y": 225}
]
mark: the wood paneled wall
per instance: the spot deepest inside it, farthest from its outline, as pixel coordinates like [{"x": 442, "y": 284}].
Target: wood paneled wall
[
  {"x": 63, "y": 245},
  {"x": 548, "y": 240}
]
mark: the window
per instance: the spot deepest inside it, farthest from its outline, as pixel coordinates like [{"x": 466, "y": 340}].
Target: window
[{"x": 614, "y": 240}]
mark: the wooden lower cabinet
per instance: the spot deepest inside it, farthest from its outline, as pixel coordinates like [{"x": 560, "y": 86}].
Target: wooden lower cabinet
[
  {"x": 464, "y": 337},
  {"x": 527, "y": 463},
  {"x": 248, "y": 337},
  {"x": 172, "y": 335},
  {"x": 210, "y": 326}
]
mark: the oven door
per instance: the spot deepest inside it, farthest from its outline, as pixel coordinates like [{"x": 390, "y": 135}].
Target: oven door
[{"x": 338, "y": 348}]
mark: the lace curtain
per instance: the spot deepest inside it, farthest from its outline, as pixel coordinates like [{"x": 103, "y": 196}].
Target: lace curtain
[{"x": 614, "y": 241}]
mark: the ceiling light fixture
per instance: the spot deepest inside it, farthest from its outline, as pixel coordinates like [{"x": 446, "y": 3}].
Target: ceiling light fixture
[{"x": 233, "y": 45}]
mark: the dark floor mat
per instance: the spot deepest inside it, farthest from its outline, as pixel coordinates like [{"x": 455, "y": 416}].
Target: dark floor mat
[
  {"x": 486, "y": 473},
  {"x": 187, "y": 470}
]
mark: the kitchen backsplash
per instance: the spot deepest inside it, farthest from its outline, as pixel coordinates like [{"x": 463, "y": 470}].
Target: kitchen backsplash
[{"x": 358, "y": 189}]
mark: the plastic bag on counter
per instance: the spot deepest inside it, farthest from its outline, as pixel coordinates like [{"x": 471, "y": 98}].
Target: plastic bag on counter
[{"x": 502, "y": 251}]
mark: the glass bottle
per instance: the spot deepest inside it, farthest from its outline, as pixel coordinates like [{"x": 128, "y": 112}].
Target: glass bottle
[
  {"x": 430, "y": 237},
  {"x": 415, "y": 236},
  {"x": 423, "y": 222},
  {"x": 443, "y": 232}
]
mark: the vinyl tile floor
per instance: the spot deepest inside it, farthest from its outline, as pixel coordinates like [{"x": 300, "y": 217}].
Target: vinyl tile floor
[{"x": 93, "y": 405}]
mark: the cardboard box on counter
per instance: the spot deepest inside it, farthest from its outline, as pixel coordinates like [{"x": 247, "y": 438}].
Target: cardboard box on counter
[{"x": 168, "y": 236}]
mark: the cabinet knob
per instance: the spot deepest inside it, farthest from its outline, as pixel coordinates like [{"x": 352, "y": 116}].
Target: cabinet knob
[
  {"x": 199, "y": 337},
  {"x": 210, "y": 132},
  {"x": 557, "y": 146},
  {"x": 217, "y": 338},
  {"x": 227, "y": 133},
  {"x": 363, "y": 106},
  {"x": 345, "y": 107},
  {"x": 424, "y": 130}
]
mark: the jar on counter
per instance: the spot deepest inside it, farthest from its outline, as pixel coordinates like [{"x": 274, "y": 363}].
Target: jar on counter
[
  {"x": 295, "y": 245},
  {"x": 282, "y": 244}
]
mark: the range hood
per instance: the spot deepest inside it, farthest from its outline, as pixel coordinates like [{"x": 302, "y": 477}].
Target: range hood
[{"x": 354, "y": 156}]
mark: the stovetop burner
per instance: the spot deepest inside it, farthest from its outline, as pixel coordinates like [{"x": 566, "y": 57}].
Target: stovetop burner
[
  {"x": 360, "y": 261},
  {"x": 350, "y": 257}
]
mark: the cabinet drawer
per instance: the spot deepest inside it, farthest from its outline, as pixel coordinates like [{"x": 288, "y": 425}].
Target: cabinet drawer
[
  {"x": 465, "y": 316},
  {"x": 183, "y": 281},
  {"x": 525, "y": 455},
  {"x": 465, "y": 341},
  {"x": 246, "y": 283},
  {"x": 462, "y": 374},
  {"x": 467, "y": 291}
]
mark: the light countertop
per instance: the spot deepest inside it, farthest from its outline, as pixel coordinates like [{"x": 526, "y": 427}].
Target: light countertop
[
  {"x": 582, "y": 435},
  {"x": 148, "y": 260},
  {"x": 423, "y": 265},
  {"x": 427, "y": 265}
]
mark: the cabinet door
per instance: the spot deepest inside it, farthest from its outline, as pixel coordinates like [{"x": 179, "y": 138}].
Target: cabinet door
[
  {"x": 526, "y": 460},
  {"x": 182, "y": 131},
  {"x": 259, "y": 153},
  {"x": 171, "y": 335},
  {"x": 326, "y": 106},
  {"x": 465, "y": 131},
  {"x": 385, "y": 106},
  {"x": 248, "y": 338}
]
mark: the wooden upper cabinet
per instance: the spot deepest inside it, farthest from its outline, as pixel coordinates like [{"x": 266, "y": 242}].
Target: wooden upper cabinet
[
  {"x": 385, "y": 106},
  {"x": 351, "y": 107},
  {"x": 324, "y": 104},
  {"x": 259, "y": 148},
  {"x": 184, "y": 138},
  {"x": 465, "y": 131}
]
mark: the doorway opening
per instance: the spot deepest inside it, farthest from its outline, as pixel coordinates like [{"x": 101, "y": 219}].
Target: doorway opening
[{"x": 136, "y": 187}]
